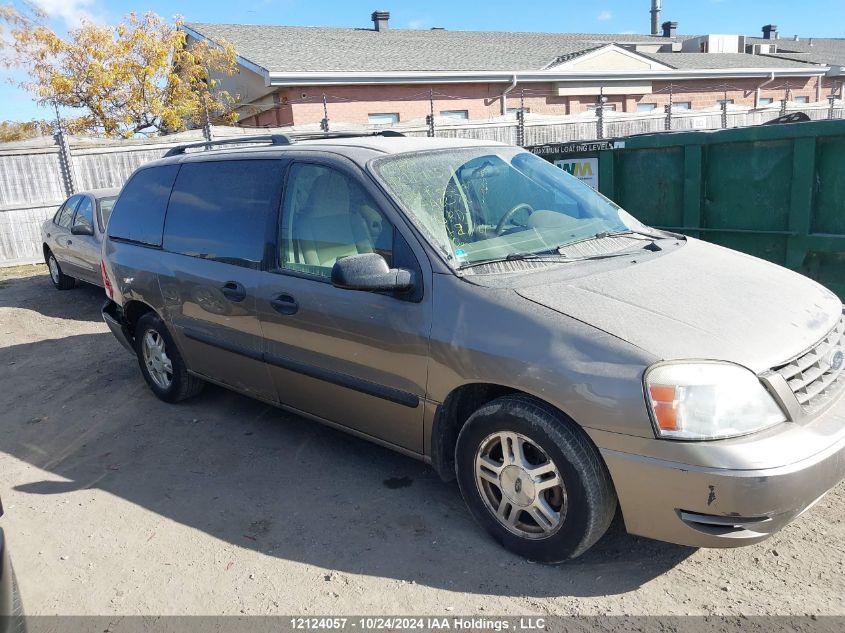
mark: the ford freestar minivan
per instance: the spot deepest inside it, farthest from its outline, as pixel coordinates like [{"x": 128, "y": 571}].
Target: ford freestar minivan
[{"x": 471, "y": 305}]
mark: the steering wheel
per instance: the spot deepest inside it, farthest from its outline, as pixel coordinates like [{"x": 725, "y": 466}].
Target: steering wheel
[{"x": 500, "y": 227}]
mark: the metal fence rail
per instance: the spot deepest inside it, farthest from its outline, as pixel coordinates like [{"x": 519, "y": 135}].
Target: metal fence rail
[{"x": 32, "y": 182}]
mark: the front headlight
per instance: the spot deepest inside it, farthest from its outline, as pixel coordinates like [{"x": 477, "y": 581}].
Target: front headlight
[{"x": 708, "y": 400}]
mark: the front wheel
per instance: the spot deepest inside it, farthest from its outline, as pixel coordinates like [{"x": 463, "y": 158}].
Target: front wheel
[
  {"x": 59, "y": 279},
  {"x": 161, "y": 363},
  {"x": 533, "y": 479}
]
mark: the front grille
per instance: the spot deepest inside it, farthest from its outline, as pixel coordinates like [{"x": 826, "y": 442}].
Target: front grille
[{"x": 810, "y": 376}]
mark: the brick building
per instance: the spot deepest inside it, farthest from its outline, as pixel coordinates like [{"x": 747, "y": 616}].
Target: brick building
[{"x": 380, "y": 75}]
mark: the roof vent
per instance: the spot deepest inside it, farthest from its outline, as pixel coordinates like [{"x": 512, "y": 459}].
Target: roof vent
[
  {"x": 795, "y": 38},
  {"x": 438, "y": 28},
  {"x": 770, "y": 32},
  {"x": 669, "y": 29},
  {"x": 380, "y": 19}
]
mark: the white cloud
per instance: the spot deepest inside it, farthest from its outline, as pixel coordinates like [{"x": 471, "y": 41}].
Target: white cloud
[
  {"x": 604, "y": 16},
  {"x": 71, "y": 12}
]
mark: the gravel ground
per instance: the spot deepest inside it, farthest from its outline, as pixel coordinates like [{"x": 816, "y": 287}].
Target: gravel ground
[{"x": 117, "y": 503}]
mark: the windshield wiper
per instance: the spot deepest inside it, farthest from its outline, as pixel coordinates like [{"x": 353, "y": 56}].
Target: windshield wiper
[
  {"x": 649, "y": 237},
  {"x": 546, "y": 258}
]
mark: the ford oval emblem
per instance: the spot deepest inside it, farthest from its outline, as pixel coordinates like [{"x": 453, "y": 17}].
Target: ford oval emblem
[{"x": 837, "y": 359}]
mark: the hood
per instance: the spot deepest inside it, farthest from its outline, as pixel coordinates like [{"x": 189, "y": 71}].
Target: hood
[{"x": 701, "y": 301}]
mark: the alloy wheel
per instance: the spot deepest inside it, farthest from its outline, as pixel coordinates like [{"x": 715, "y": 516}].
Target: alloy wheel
[
  {"x": 156, "y": 360},
  {"x": 520, "y": 485}
]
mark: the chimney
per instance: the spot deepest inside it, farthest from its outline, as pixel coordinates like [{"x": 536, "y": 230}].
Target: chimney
[
  {"x": 380, "y": 19},
  {"x": 770, "y": 32},
  {"x": 655, "y": 16},
  {"x": 669, "y": 29}
]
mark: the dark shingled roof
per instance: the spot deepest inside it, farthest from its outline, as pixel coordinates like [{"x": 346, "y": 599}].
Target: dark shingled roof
[
  {"x": 817, "y": 50},
  {"x": 285, "y": 49}
]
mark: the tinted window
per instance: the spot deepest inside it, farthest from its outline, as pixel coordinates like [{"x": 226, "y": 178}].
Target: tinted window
[
  {"x": 139, "y": 211},
  {"x": 84, "y": 213},
  {"x": 328, "y": 215},
  {"x": 221, "y": 210},
  {"x": 105, "y": 206},
  {"x": 65, "y": 214}
]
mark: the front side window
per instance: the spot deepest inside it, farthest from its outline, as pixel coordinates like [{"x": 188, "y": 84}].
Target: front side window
[
  {"x": 327, "y": 215},
  {"x": 138, "y": 214},
  {"x": 65, "y": 214},
  {"x": 646, "y": 107},
  {"x": 84, "y": 213},
  {"x": 484, "y": 204},
  {"x": 221, "y": 210}
]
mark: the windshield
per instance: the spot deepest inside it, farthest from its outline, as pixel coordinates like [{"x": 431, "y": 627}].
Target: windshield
[{"x": 487, "y": 204}]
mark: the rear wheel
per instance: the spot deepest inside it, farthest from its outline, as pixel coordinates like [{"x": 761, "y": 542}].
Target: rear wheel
[
  {"x": 160, "y": 361},
  {"x": 59, "y": 279},
  {"x": 533, "y": 480}
]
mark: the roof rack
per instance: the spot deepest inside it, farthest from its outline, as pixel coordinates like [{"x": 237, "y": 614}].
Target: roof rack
[{"x": 272, "y": 139}]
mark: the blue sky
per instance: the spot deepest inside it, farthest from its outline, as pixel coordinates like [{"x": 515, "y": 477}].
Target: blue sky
[{"x": 820, "y": 18}]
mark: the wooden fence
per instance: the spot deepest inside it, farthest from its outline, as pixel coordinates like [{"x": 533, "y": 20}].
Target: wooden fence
[{"x": 36, "y": 176}]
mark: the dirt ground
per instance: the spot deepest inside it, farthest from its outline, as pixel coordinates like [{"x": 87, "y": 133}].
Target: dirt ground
[{"x": 117, "y": 503}]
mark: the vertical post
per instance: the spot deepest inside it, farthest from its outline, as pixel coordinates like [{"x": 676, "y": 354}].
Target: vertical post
[
  {"x": 831, "y": 99},
  {"x": 65, "y": 156},
  {"x": 520, "y": 120},
  {"x": 668, "y": 124},
  {"x": 600, "y": 115},
  {"x": 784, "y": 100},
  {"x": 430, "y": 118},
  {"x": 206, "y": 123},
  {"x": 725, "y": 107},
  {"x": 324, "y": 124}
]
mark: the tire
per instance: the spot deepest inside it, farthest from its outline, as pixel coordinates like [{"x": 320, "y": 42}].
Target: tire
[
  {"x": 161, "y": 363},
  {"x": 59, "y": 279},
  {"x": 559, "y": 510}
]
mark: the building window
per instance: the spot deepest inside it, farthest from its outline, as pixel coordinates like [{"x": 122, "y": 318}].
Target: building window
[
  {"x": 646, "y": 107},
  {"x": 728, "y": 101},
  {"x": 802, "y": 99},
  {"x": 383, "y": 118},
  {"x": 515, "y": 110},
  {"x": 764, "y": 101},
  {"x": 455, "y": 114},
  {"x": 592, "y": 107},
  {"x": 682, "y": 105}
]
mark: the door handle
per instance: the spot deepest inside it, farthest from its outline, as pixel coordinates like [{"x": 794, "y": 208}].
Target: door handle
[
  {"x": 284, "y": 304},
  {"x": 234, "y": 291}
]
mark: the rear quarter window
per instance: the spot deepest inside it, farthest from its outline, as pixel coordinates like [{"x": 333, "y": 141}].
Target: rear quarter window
[
  {"x": 138, "y": 214},
  {"x": 222, "y": 210}
]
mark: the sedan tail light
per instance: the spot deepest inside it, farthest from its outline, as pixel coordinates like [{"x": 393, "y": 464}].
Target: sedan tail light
[{"x": 106, "y": 281}]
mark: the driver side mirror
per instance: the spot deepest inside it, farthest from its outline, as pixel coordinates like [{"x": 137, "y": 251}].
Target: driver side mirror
[
  {"x": 369, "y": 271},
  {"x": 82, "y": 229}
]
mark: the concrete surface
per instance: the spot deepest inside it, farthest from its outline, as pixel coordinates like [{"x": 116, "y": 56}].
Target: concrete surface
[{"x": 117, "y": 503}]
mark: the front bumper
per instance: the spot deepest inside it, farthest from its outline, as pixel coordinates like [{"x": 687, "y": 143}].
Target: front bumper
[{"x": 699, "y": 506}]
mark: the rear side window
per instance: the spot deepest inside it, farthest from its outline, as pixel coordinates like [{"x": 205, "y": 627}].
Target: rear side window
[
  {"x": 221, "y": 210},
  {"x": 85, "y": 213},
  {"x": 65, "y": 214},
  {"x": 138, "y": 214},
  {"x": 105, "y": 206}
]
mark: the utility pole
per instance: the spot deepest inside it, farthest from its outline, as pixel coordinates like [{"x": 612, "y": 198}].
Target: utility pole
[
  {"x": 668, "y": 123},
  {"x": 520, "y": 120},
  {"x": 725, "y": 106}
]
